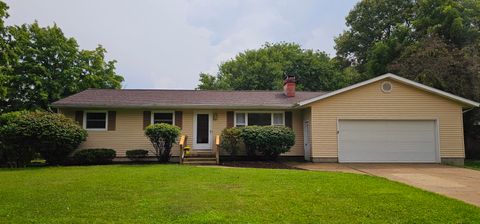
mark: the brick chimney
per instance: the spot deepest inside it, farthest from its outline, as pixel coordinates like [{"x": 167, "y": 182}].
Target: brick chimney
[{"x": 289, "y": 86}]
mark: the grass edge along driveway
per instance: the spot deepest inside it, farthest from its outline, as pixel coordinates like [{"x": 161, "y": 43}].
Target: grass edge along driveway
[{"x": 187, "y": 194}]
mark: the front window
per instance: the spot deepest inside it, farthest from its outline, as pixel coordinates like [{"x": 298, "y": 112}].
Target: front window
[
  {"x": 241, "y": 121},
  {"x": 163, "y": 117},
  {"x": 96, "y": 120},
  {"x": 278, "y": 119},
  {"x": 259, "y": 118}
]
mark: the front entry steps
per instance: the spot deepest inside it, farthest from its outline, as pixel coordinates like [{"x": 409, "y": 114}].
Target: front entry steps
[
  {"x": 200, "y": 158},
  {"x": 197, "y": 157}
]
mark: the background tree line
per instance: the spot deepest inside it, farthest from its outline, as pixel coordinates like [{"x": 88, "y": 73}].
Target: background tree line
[
  {"x": 434, "y": 42},
  {"x": 39, "y": 65}
]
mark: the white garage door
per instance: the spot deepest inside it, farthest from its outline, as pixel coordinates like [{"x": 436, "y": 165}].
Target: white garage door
[{"x": 387, "y": 141}]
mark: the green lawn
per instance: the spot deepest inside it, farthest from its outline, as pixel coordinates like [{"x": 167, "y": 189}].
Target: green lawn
[
  {"x": 475, "y": 164},
  {"x": 185, "y": 194}
]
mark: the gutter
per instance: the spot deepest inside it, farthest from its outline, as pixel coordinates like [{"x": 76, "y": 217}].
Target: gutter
[{"x": 184, "y": 106}]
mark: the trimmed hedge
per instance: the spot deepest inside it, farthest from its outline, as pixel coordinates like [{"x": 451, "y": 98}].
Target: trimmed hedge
[
  {"x": 230, "y": 140},
  {"x": 24, "y": 133},
  {"x": 270, "y": 141},
  {"x": 137, "y": 154},
  {"x": 94, "y": 156},
  {"x": 162, "y": 136}
]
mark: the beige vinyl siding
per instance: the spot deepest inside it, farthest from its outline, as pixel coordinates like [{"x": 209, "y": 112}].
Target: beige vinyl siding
[
  {"x": 307, "y": 116},
  {"x": 297, "y": 126},
  {"x": 369, "y": 102},
  {"x": 129, "y": 131},
  {"x": 219, "y": 124}
]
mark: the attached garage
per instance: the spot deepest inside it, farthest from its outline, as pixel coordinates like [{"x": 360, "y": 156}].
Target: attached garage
[{"x": 387, "y": 141}]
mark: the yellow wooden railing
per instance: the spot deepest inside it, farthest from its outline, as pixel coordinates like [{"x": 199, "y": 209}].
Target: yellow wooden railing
[
  {"x": 217, "y": 148},
  {"x": 182, "y": 144}
]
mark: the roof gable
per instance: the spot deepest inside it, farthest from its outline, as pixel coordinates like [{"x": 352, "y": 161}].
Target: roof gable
[{"x": 417, "y": 85}]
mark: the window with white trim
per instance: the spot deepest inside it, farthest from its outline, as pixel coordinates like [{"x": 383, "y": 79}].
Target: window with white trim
[
  {"x": 240, "y": 120},
  {"x": 259, "y": 118},
  {"x": 278, "y": 119},
  {"x": 163, "y": 117},
  {"x": 95, "y": 120}
]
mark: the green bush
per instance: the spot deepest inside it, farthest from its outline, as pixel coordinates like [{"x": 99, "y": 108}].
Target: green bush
[
  {"x": 94, "y": 156},
  {"x": 270, "y": 141},
  {"x": 136, "y": 154},
  {"x": 24, "y": 133},
  {"x": 162, "y": 136},
  {"x": 230, "y": 140}
]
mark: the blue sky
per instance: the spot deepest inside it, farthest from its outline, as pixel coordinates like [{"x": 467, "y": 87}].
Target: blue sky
[{"x": 166, "y": 44}]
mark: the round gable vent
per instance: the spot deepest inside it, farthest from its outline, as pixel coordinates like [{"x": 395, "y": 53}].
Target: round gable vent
[{"x": 386, "y": 87}]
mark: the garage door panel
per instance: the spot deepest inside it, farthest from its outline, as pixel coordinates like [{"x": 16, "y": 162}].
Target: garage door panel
[{"x": 387, "y": 141}]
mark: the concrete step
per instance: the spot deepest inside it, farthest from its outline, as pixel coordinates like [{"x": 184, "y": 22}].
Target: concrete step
[
  {"x": 200, "y": 159},
  {"x": 200, "y": 162}
]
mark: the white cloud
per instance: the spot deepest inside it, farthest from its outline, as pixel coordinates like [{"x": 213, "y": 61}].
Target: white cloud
[{"x": 166, "y": 44}]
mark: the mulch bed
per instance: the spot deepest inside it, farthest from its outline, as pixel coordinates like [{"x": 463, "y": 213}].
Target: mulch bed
[{"x": 258, "y": 164}]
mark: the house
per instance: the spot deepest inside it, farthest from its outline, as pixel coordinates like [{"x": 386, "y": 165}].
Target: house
[{"x": 384, "y": 119}]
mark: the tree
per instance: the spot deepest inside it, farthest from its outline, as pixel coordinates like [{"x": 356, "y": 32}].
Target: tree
[
  {"x": 379, "y": 30},
  {"x": 369, "y": 23},
  {"x": 265, "y": 68},
  {"x": 48, "y": 66},
  {"x": 456, "y": 21},
  {"x": 3, "y": 49},
  {"x": 39, "y": 65}
]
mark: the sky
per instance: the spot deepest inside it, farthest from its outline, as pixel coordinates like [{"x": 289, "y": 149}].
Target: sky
[{"x": 166, "y": 44}]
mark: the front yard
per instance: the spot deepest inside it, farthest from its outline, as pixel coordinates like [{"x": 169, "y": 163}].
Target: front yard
[{"x": 185, "y": 194}]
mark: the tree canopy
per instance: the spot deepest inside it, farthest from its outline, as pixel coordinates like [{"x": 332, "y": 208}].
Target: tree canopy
[
  {"x": 265, "y": 69},
  {"x": 39, "y": 65},
  {"x": 380, "y": 30}
]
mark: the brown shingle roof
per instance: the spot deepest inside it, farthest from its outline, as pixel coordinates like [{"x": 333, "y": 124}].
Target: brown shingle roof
[{"x": 131, "y": 98}]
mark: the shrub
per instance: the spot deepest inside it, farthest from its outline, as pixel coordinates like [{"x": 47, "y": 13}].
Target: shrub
[
  {"x": 137, "y": 154},
  {"x": 270, "y": 141},
  {"x": 94, "y": 156},
  {"x": 16, "y": 145},
  {"x": 162, "y": 136},
  {"x": 54, "y": 136},
  {"x": 230, "y": 140}
]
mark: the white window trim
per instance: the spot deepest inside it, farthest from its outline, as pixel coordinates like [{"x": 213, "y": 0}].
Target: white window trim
[
  {"x": 247, "y": 112},
  {"x": 162, "y": 111},
  {"x": 95, "y": 111}
]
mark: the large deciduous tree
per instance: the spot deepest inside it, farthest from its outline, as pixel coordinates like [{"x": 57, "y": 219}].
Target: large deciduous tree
[
  {"x": 3, "y": 49},
  {"x": 39, "y": 65},
  {"x": 265, "y": 68},
  {"x": 379, "y": 30}
]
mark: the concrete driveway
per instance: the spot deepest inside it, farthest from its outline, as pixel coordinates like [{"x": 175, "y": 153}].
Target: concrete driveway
[{"x": 460, "y": 183}]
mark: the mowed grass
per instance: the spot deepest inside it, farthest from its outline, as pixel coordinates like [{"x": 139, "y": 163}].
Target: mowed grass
[{"x": 186, "y": 194}]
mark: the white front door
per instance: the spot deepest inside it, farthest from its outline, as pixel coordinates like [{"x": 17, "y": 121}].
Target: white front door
[
  {"x": 202, "y": 130},
  {"x": 306, "y": 140}
]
